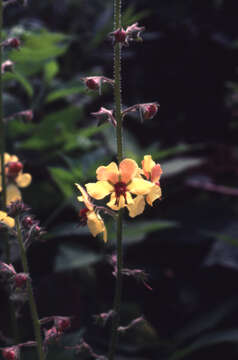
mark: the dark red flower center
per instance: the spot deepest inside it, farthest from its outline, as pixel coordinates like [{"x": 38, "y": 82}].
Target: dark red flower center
[
  {"x": 13, "y": 168},
  {"x": 92, "y": 84},
  {"x": 120, "y": 189},
  {"x": 150, "y": 111},
  {"x": 120, "y": 35},
  {"x": 83, "y": 216}
]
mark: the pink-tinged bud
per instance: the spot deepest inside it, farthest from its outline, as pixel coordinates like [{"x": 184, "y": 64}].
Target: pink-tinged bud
[
  {"x": 10, "y": 353},
  {"x": 102, "y": 319},
  {"x": 13, "y": 169},
  {"x": 52, "y": 335},
  {"x": 95, "y": 82},
  {"x": 92, "y": 84},
  {"x": 119, "y": 35},
  {"x": 105, "y": 115},
  {"x": 7, "y": 268},
  {"x": 17, "y": 208},
  {"x": 62, "y": 323},
  {"x": 149, "y": 110},
  {"x": 133, "y": 323},
  {"x": 27, "y": 222},
  {"x": 26, "y": 115},
  {"x": 8, "y": 65},
  {"x": 20, "y": 280}
]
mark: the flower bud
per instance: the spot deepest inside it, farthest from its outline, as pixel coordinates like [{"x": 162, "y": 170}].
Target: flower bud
[
  {"x": 20, "y": 280},
  {"x": 17, "y": 208},
  {"x": 119, "y": 35},
  {"x": 8, "y": 65},
  {"x": 14, "y": 43},
  {"x": 13, "y": 169},
  {"x": 11, "y": 353},
  {"x": 149, "y": 110},
  {"x": 105, "y": 115}
]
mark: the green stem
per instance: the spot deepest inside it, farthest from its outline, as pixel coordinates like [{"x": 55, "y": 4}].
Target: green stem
[
  {"x": 32, "y": 302},
  {"x": 118, "y": 115}
]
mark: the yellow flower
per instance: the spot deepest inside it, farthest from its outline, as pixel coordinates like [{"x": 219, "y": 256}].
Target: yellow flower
[
  {"x": 120, "y": 183},
  {"x": 89, "y": 217},
  {"x": 152, "y": 173},
  {"x": 15, "y": 178},
  {"x": 6, "y": 220}
]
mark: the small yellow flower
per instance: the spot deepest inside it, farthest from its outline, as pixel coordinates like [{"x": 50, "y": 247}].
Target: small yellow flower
[
  {"x": 6, "y": 220},
  {"x": 15, "y": 178},
  {"x": 120, "y": 183},
  {"x": 152, "y": 172},
  {"x": 88, "y": 216}
]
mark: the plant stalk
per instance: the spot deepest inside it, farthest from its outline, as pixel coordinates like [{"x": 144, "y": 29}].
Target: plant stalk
[
  {"x": 118, "y": 115},
  {"x": 34, "y": 313}
]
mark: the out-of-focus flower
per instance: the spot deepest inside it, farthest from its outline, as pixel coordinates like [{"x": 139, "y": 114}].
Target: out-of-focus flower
[
  {"x": 132, "y": 33},
  {"x": 14, "y": 43},
  {"x": 11, "y": 353},
  {"x": 89, "y": 216},
  {"x": 15, "y": 178},
  {"x": 95, "y": 82},
  {"x": 152, "y": 172},
  {"x": 6, "y": 66},
  {"x": 105, "y": 115},
  {"x": 6, "y": 220},
  {"x": 120, "y": 183}
]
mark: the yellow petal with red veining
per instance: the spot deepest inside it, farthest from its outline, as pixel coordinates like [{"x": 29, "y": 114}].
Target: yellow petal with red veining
[
  {"x": 140, "y": 186},
  {"x": 99, "y": 190},
  {"x": 128, "y": 170},
  {"x": 96, "y": 225},
  {"x": 108, "y": 173},
  {"x": 12, "y": 193},
  {"x": 138, "y": 207},
  {"x": 23, "y": 180},
  {"x": 154, "y": 194},
  {"x": 84, "y": 198}
]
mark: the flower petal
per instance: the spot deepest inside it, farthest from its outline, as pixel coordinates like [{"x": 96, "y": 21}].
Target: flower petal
[
  {"x": 108, "y": 173},
  {"x": 154, "y": 194},
  {"x": 128, "y": 170},
  {"x": 140, "y": 186},
  {"x": 99, "y": 190},
  {"x": 84, "y": 197},
  {"x": 13, "y": 193},
  {"x": 23, "y": 180},
  {"x": 114, "y": 204},
  {"x": 147, "y": 164},
  {"x": 129, "y": 199},
  {"x": 7, "y": 220},
  {"x": 138, "y": 207},
  {"x": 156, "y": 173},
  {"x": 96, "y": 225}
]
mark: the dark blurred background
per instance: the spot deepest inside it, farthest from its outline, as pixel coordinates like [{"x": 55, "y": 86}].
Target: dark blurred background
[{"x": 187, "y": 243}]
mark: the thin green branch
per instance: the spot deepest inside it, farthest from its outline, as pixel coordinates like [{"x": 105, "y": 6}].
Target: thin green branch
[{"x": 34, "y": 313}]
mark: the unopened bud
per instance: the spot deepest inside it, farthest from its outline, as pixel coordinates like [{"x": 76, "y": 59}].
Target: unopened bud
[
  {"x": 13, "y": 169},
  {"x": 14, "y": 43},
  {"x": 105, "y": 115},
  {"x": 20, "y": 280},
  {"x": 7, "y": 66},
  {"x": 17, "y": 208},
  {"x": 11, "y": 353}
]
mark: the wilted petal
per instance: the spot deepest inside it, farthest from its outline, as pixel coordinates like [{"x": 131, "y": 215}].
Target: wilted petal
[
  {"x": 99, "y": 190},
  {"x": 154, "y": 194},
  {"x": 84, "y": 198},
  {"x": 140, "y": 186},
  {"x": 128, "y": 170},
  {"x": 156, "y": 173},
  {"x": 13, "y": 194},
  {"x": 108, "y": 173},
  {"x": 137, "y": 207},
  {"x": 96, "y": 225},
  {"x": 23, "y": 180}
]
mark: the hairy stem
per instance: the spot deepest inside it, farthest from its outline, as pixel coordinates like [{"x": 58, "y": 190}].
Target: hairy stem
[
  {"x": 118, "y": 115},
  {"x": 34, "y": 313}
]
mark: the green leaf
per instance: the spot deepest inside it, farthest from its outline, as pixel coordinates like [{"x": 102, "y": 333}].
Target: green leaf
[
  {"x": 8, "y": 76},
  {"x": 178, "y": 165},
  {"x": 51, "y": 69},
  {"x": 205, "y": 341},
  {"x": 74, "y": 257},
  {"x": 63, "y": 93},
  {"x": 65, "y": 179}
]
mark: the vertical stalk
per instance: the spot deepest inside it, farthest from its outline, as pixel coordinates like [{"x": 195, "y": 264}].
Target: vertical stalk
[
  {"x": 118, "y": 115},
  {"x": 34, "y": 313}
]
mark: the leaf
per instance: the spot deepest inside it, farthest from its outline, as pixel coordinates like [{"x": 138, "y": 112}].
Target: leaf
[
  {"x": 65, "y": 179},
  {"x": 63, "y": 93},
  {"x": 8, "y": 76},
  {"x": 178, "y": 165},
  {"x": 51, "y": 69},
  {"x": 205, "y": 341},
  {"x": 74, "y": 257},
  {"x": 136, "y": 232}
]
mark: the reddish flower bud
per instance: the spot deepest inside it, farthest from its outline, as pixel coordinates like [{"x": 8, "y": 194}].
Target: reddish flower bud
[
  {"x": 119, "y": 35},
  {"x": 105, "y": 115},
  {"x": 27, "y": 222},
  {"x": 62, "y": 323},
  {"x": 92, "y": 84},
  {"x": 17, "y": 208},
  {"x": 149, "y": 110},
  {"x": 10, "y": 353},
  {"x": 26, "y": 115},
  {"x": 52, "y": 335},
  {"x": 95, "y": 82},
  {"x": 8, "y": 65},
  {"x": 14, "y": 43},
  {"x": 13, "y": 169},
  {"x": 20, "y": 280}
]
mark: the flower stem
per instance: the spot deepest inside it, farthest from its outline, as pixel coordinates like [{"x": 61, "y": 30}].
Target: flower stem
[
  {"x": 118, "y": 115},
  {"x": 33, "y": 308}
]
